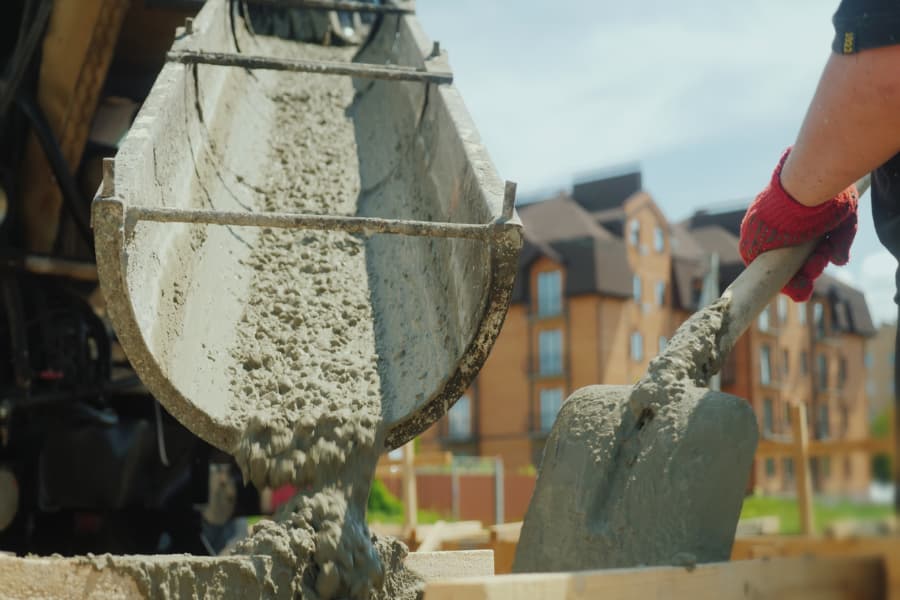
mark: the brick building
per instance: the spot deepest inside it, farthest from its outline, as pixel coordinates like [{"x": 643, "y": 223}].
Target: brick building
[
  {"x": 604, "y": 280},
  {"x": 880, "y": 365}
]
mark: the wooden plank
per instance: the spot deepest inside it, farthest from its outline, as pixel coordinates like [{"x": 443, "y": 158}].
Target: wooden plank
[
  {"x": 772, "y": 448},
  {"x": 431, "y": 541},
  {"x": 451, "y": 565},
  {"x": 789, "y": 578},
  {"x": 448, "y": 532},
  {"x": 394, "y": 468},
  {"x": 410, "y": 496},
  {"x": 76, "y": 53},
  {"x": 801, "y": 467},
  {"x": 885, "y": 547}
]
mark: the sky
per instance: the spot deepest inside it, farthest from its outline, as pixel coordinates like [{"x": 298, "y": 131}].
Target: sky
[{"x": 702, "y": 96}]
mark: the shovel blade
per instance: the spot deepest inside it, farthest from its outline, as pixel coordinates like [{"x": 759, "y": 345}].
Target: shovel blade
[{"x": 609, "y": 495}]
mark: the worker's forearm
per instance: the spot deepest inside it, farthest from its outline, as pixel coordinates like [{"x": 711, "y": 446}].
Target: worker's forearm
[{"x": 852, "y": 125}]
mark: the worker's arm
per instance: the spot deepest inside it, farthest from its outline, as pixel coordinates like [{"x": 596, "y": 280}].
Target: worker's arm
[{"x": 852, "y": 125}]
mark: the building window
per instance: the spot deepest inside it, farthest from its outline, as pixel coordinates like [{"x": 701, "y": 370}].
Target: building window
[
  {"x": 550, "y": 352},
  {"x": 768, "y": 416},
  {"x": 661, "y": 293},
  {"x": 663, "y": 342},
  {"x": 551, "y": 401},
  {"x": 826, "y": 466},
  {"x": 788, "y": 466},
  {"x": 549, "y": 286},
  {"x": 460, "y": 418},
  {"x": 765, "y": 365},
  {"x": 822, "y": 371},
  {"x": 763, "y": 321},
  {"x": 842, "y": 372},
  {"x": 634, "y": 232},
  {"x": 785, "y": 362},
  {"x": 868, "y": 360},
  {"x": 804, "y": 363},
  {"x": 801, "y": 313},
  {"x": 823, "y": 426},
  {"x": 787, "y": 414},
  {"x": 659, "y": 242},
  {"x": 782, "y": 310},
  {"x": 636, "y": 288},
  {"x": 637, "y": 347},
  {"x": 819, "y": 319},
  {"x": 770, "y": 467}
]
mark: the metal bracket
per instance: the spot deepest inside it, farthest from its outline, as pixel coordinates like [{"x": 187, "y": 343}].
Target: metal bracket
[
  {"x": 366, "y": 226},
  {"x": 323, "y": 67},
  {"x": 342, "y": 5}
]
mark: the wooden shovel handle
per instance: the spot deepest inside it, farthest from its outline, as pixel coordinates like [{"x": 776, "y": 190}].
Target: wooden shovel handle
[{"x": 761, "y": 281}]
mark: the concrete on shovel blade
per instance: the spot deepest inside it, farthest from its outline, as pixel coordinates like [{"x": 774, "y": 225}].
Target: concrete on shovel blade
[{"x": 610, "y": 496}]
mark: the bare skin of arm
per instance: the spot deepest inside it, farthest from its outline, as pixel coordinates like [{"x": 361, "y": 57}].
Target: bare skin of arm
[{"x": 852, "y": 125}]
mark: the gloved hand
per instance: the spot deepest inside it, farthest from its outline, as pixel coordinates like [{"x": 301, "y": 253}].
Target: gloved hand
[{"x": 775, "y": 220}]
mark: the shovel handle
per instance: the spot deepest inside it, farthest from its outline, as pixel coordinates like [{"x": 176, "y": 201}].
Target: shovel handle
[{"x": 761, "y": 281}]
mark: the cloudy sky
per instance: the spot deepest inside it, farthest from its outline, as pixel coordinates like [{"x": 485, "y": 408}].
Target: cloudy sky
[{"x": 703, "y": 95}]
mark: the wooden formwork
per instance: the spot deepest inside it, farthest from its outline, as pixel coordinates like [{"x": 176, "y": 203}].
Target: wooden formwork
[
  {"x": 887, "y": 548},
  {"x": 803, "y": 578},
  {"x": 468, "y": 575}
]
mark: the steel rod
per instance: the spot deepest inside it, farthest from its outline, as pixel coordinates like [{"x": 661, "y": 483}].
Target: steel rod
[
  {"x": 367, "y": 226},
  {"x": 324, "y": 67},
  {"x": 344, "y": 5}
]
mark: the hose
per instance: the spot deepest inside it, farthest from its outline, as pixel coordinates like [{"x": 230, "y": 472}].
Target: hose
[{"x": 72, "y": 201}]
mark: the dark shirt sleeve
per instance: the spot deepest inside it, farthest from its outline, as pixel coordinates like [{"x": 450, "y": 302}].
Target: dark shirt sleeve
[{"x": 864, "y": 24}]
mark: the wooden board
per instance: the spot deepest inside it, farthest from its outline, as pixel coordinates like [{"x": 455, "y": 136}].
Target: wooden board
[
  {"x": 781, "y": 579},
  {"x": 887, "y": 547}
]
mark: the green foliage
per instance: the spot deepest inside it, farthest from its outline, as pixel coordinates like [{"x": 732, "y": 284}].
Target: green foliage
[
  {"x": 882, "y": 468},
  {"x": 527, "y": 470},
  {"x": 787, "y": 511},
  {"x": 881, "y": 425},
  {"x": 384, "y": 507},
  {"x": 382, "y": 501}
]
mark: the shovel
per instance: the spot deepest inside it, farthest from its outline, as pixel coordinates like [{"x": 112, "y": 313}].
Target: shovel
[{"x": 655, "y": 473}]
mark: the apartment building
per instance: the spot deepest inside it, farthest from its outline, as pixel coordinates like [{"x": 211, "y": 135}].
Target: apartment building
[
  {"x": 604, "y": 280},
  {"x": 880, "y": 368}
]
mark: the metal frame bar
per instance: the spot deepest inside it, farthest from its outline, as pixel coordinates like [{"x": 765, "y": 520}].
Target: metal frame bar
[
  {"x": 365, "y": 71},
  {"x": 342, "y": 5},
  {"x": 367, "y": 226}
]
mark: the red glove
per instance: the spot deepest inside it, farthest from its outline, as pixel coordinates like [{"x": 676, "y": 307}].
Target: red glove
[{"x": 775, "y": 220}]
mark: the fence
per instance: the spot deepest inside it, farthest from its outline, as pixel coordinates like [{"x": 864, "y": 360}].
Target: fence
[{"x": 801, "y": 449}]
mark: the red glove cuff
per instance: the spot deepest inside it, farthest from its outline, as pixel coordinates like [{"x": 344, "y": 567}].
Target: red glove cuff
[{"x": 775, "y": 220}]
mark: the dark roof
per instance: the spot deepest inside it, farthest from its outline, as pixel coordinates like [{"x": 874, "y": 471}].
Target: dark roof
[
  {"x": 683, "y": 243},
  {"x": 596, "y": 261},
  {"x": 559, "y": 218},
  {"x": 610, "y": 192},
  {"x": 714, "y": 238},
  {"x": 729, "y": 220},
  {"x": 687, "y": 281},
  {"x": 611, "y": 219},
  {"x": 583, "y": 232},
  {"x": 598, "y": 266},
  {"x": 849, "y": 310}
]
